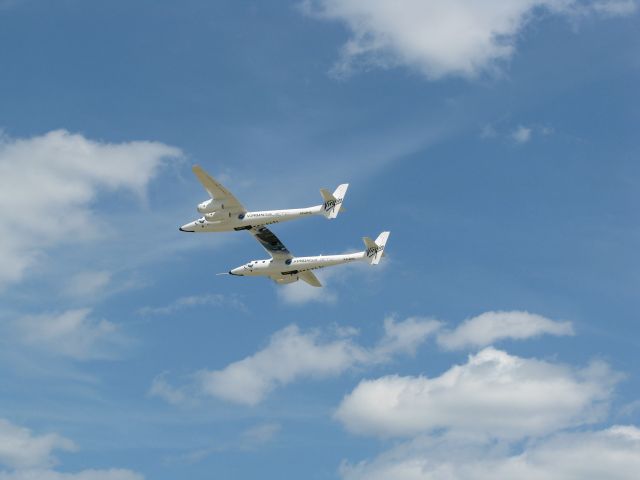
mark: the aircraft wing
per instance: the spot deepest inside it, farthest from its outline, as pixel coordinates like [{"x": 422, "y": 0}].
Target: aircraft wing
[
  {"x": 217, "y": 190},
  {"x": 270, "y": 242},
  {"x": 310, "y": 278},
  {"x": 283, "y": 279},
  {"x": 307, "y": 276}
]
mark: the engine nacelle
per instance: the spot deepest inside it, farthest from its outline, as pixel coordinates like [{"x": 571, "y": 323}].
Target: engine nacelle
[
  {"x": 210, "y": 206},
  {"x": 213, "y": 216}
]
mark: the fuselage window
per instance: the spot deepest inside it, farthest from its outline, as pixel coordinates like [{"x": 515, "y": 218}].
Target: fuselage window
[{"x": 287, "y": 261}]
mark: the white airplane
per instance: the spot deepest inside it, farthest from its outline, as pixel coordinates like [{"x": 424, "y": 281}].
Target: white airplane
[
  {"x": 284, "y": 268},
  {"x": 223, "y": 212}
]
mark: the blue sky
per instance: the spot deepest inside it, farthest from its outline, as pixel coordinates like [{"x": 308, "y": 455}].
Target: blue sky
[{"x": 497, "y": 141}]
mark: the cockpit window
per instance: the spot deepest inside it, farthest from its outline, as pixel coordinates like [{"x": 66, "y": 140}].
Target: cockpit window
[
  {"x": 249, "y": 265},
  {"x": 201, "y": 220}
]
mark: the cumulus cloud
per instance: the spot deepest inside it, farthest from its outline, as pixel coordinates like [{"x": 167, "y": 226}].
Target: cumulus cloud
[
  {"x": 292, "y": 354},
  {"x": 493, "y": 394},
  {"x": 405, "y": 336},
  {"x": 613, "y": 453},
  {"x": 73, "y": 333},
  {"x": 442, "y": 37},
  {"x": 30, "y": 457},
  {"x": 19, "y": 449},
  {"x": 491, "y": 327},
  {"x": 49, "y": 183}
]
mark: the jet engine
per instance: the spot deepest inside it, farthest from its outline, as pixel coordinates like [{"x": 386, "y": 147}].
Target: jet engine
[
  {"x": 210, "y": 206},
  {"x": 214, "y": 216}
]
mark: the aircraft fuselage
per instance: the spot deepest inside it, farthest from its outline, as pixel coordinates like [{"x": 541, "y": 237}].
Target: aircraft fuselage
[
  {"x": 223, "y": 221},
  {"x": 293, "y": 266}
]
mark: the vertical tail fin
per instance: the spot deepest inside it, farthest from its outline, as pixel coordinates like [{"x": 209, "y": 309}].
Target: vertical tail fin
[
  {"x": 333, "y": 201},
  {"x": 375, "y": 250}
]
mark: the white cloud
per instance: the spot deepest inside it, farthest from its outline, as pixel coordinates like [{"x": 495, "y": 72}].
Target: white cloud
[
  {"x": 442, "y": 37},
  {"x": 208, "y": 299},
  {"x": 613, "y": 453},
  {"x": 521, "y": 134},
  {"x": 490, "y": 327},
  {"x": 405, "y": 336},
  {"x": 494, "y": 394},
  {"x": 49, "y": 183},
  {"x": 73, "y": 333},
  {"x": 87, "y": 284},
  {"x": 19, "y": 449},
  {"x": 292, "y": 354},
  {"x": 30, "y": 457}
]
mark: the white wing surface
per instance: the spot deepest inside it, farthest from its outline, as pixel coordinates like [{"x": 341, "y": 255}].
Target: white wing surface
[
  {"x": 310, "y": 278},
  {"x": 270, "y": 242},
  {"x": 217, "y": 191},
  {"x": 307, "y": 276},
  {"x": 283, "y": 279}
]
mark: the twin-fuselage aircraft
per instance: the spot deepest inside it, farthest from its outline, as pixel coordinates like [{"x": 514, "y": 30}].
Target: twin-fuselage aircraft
[
  {"x": 223, "y": 212},
  {"x": 284, "y": 268}
]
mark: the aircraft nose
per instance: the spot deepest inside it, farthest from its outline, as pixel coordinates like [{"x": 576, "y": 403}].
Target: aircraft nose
[
  {"x": 183, "y": 229},
  {"x": 235, "y": 272}
]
